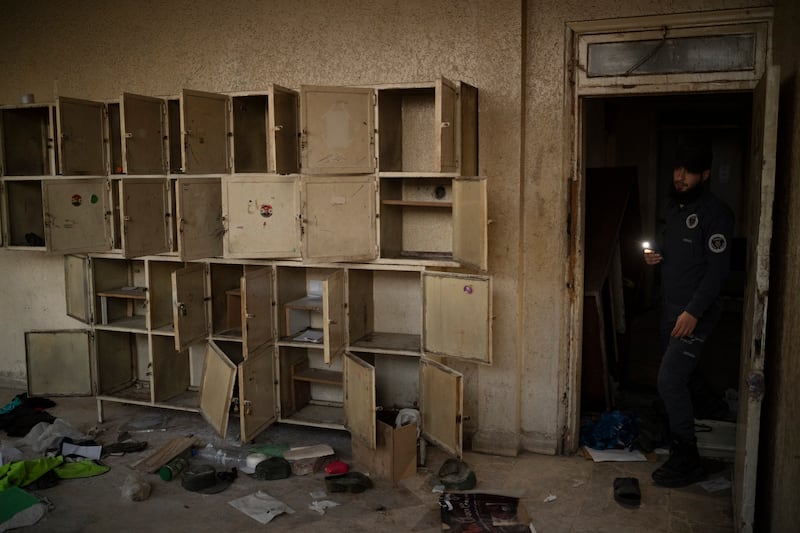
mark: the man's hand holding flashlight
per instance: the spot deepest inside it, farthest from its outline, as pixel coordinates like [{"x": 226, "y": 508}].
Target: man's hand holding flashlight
[{"x": 651, "y": 257}]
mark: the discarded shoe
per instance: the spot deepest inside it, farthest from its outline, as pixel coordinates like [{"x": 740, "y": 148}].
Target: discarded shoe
[
  {"x": 626, "y": 491},
  {"x": 457, "y": 475},
  {"x": 354, "y": 482}
]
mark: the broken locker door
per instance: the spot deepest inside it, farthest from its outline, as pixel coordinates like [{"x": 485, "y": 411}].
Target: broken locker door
[
  {"x": 81, "y": 137},
  {"x": 76, "y": 215},
  {"x": 261, "y": 216},
  {"x": 58, "y": 363},
  {"x": 142, "y": 126},
  {"x": 77, "y": 289},
  {"x": 143, "y": 216},
  {"x": 446, "y": 121},
  {"x": 257, "y": 324},
  {"x": 216, "y": 389},
  {"x": 441, "y": 403},
  {"x": 457, "y": 316},
  {"x": 204, "y": 131},
  {"x": 333, "y": 319},
  {"x": 189, "y": 305},
  {"x": 759, "y": 218},
  {"x": 284, "y": 151},
  {"x": 470, "y": 222},
  {"x": 339, "y": 222},
  {"x": 199, "y": 205},
  {"x": 257, "y": 404},
  {"x": 359, "y": 399},
  {"x": 338, "y": 133}
]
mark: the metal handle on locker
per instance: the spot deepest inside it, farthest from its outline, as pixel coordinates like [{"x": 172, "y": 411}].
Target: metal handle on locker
[
  {"x": 249, "y": 315},
  {"x": 182, "y": 309}
]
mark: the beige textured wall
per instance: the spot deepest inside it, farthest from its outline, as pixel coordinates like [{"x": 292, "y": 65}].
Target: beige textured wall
[{"x": 98, "y": 49}]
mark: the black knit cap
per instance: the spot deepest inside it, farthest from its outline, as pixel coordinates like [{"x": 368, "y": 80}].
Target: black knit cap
[{"x": 694, "y": 154}]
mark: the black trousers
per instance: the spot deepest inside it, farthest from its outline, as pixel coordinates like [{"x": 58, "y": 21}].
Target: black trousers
[{"x": 680, "y": 360}]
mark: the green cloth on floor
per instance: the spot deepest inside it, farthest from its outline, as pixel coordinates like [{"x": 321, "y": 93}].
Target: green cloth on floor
[
  {"x": 13, "y": 501},
  {"x": 22, "y": 473},
  {"x": 78, "y": 469}
]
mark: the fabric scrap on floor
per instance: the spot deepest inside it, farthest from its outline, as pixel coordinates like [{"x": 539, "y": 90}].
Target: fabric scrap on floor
[
  {"x": 44, "y": 436},
  {"x": 23, "y": 473},
  {"x": 80, "y": 469},
  {"x": 19, "y": 508}
]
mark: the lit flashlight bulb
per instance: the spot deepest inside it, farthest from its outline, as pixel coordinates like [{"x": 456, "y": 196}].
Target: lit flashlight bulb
[{"x": 646, "y": 245}]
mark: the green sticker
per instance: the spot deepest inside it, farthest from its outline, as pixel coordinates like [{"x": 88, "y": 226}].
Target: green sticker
[{"x": 94, "y": 199}]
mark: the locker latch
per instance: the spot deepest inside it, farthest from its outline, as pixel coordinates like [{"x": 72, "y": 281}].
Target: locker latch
[
  {"x": 182, "y": 309},
  {"x": 248, "y": 407}
]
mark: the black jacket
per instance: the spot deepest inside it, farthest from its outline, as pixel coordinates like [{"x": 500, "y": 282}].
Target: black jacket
[{"x": 696, "y": 247}]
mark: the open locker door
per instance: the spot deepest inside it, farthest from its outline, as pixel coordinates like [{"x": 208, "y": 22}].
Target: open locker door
[
  {"x": 256, "y": 291},
  {"x": 216, "y": 389},
  {"x": 359, "y": 399},
  {"x": 189, "y": 306},
  {"x": 261, "y": 216},
  {"x": 339, "y": 218},
  {"x": 142, "y": 134},
  {"x": 81, "y": 145},
  {"x": 338, "y": 133},
  {"x": 143, "y": 216},
  {"x": 76, "y": 215},
  {"x": 446, "y": 116},
  {"x": 441, "y": 391},
  {"x": 199, "y": 206},
  {"x": 204, "y": 129},
  {"x": 58, "y": 363},
  {"x": 257, "y": 403},
  {"x": 333, "y": 321},
  {"x": 759, "y": 218},
  {"x": 170, "y": 375},
  {"x": 76, "y": 288},
  {"x": 284, "y": 150},
  {"x": 470, "y": 223},
  {"x": 457, "y": 316}
]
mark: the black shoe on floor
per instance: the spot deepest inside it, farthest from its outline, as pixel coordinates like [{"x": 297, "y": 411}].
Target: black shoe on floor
[{"x": 683, "y": 466}]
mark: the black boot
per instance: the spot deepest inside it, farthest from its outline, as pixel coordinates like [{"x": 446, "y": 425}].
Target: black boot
[{"x": 683, "y": 466}]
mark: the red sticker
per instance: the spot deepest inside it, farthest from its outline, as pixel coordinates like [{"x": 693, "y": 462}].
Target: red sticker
[
  {"x": 76, "y": 200},
  {"x": 266, "y": 210}
]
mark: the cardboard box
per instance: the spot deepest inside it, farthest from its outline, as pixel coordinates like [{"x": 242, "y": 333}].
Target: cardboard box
[{"x": 395, "y": 455}]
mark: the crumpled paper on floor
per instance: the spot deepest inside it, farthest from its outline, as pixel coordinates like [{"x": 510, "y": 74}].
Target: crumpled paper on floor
[
  {"x": 320, "y": 505},
  {"x": 261, "y": 507}
]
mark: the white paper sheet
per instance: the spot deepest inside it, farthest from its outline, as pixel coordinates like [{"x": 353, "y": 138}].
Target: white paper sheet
[
  {"x": 599, "y": 456},
  {"x": 261, "y": 507}
]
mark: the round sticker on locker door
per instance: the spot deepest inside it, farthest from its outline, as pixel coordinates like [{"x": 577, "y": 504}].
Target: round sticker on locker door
[
  {"x": 266, "y": 210},
  {"x": 76, "y": 200}
]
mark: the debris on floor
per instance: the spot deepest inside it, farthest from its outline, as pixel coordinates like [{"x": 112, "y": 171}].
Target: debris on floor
[
  {"x": 479, "y": 512},
  {"x": 261, "y": 507}
]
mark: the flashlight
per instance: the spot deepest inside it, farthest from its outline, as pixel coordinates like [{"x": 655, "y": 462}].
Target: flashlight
[{"x": 648, "y": 248}]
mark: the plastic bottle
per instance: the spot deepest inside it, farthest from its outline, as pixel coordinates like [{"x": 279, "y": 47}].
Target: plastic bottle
[
  {"x": 173, "y": 469},
  {"x": 223, "y": 457}
]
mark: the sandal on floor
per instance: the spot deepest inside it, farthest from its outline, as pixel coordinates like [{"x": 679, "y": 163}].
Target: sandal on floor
[{"x": 626, "y": 491}]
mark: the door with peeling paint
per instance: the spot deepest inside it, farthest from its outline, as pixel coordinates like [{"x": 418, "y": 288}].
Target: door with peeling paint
[
  {"x": 339, "y": 218},
  {"x": 759, "y": 220},
  {"x": 261, "y": 215}
]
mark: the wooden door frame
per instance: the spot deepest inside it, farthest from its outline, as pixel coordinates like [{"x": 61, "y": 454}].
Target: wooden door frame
[{"x": 574, "y": 171}]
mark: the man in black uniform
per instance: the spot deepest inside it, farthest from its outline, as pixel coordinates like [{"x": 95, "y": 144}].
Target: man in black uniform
[{"x": 694, "y": 255}]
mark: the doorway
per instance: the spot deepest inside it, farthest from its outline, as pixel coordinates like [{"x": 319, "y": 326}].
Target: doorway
[{"x": 628, "y": 149}]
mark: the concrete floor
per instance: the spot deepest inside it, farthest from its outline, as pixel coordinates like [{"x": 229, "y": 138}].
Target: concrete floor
[{"x": 583, "y": 489}]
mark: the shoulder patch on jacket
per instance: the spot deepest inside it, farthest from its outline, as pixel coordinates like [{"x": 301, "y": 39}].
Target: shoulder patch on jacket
[{"x": 717, "y": 243}]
